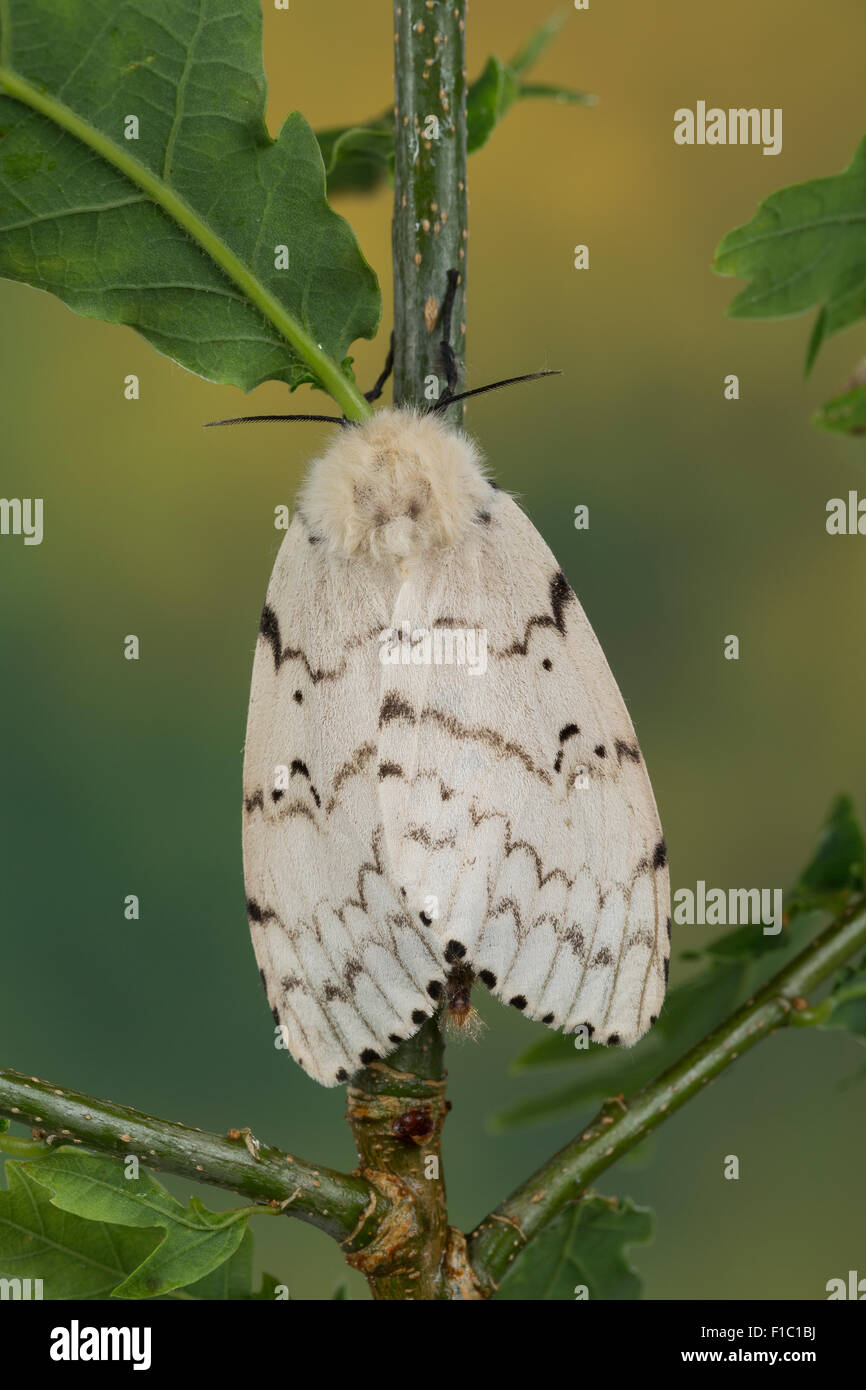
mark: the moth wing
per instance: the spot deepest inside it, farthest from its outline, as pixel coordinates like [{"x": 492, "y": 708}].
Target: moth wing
[
  {"x": 345, "y": 967},
  {"x": 518, "y": 813}
]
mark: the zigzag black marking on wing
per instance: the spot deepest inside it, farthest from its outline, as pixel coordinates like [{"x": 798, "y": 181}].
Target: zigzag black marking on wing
[
  {"x": 561, "y": 593},
  {"x": 291, "y": 808},
  {"x": 481, "y": 734},
  {"x": 360, "y": 900},
  {"x": 423, "y": 837},
  {"x": 512, "y": 846},
  {"x": 352, "y": 767},
  {"x": 269, "y": 629},
  {"x": 365, "y": 869},
  {"x": 508, "y": 905}
]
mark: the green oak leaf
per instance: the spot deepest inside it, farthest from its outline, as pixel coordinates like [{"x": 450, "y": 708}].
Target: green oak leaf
[
  {"x": 843, "y": 414},
  {"x": 836, "y": 871},
  {"x": 74, "y": 1258},
  {"x": 805, "y": 246},
  {"x": 195, "y": 1241},
  {"x": 174, "y": 232},
  {"x": 584, "y": 1246},
  {"x": 846, "y": 1003},
  {"x": 359, "y": 158},
  {"x": 232, "y": 1281}
]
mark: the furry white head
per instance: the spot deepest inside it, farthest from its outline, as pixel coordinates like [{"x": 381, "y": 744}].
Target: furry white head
[{"x": 395, "y": 486}]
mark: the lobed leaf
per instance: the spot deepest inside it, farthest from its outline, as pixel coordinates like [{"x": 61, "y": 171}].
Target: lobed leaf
[
  {"x": 175, "y": 232},
  {"x": 584, "y": 1246},
  {"x": 195, "y": 1241},
  {"x": 74, "y": 1258},
  {"x": 804, "y": 247},
  {"x": 836, "y": 871},
  {"x": 843, "y": 414}
]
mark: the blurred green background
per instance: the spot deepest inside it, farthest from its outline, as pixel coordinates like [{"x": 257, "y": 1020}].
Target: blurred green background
[{"x": 707, "y": 518}]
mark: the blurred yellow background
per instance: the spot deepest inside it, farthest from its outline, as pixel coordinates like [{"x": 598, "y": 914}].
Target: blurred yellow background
[{"x": 706, "y": 518}]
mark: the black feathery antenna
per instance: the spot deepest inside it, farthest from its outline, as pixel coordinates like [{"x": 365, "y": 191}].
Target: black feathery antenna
[
  {"x": 444, "y": 401},
  {"x": 266, "y": 419}
]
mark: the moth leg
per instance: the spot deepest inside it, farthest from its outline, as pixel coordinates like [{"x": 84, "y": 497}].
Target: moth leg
[
  {"x": 446, "y": 351},
  {"x": 375, "y": 392}
]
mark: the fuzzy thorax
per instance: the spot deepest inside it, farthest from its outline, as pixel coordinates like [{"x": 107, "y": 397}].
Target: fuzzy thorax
[{"x": 395, "y": 486}]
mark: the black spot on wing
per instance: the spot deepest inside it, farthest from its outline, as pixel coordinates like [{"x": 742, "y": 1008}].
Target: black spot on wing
[
  {"x": 561, "y": 593},
  {"x": 257, "y": 913},
  {"x": 487, "y": 978},
  {"x": 660, "y": 855},
  {"x": 395, "y": 708},
  {"x": 627, "y": 750},
  {"x": 389, "y": 770}
]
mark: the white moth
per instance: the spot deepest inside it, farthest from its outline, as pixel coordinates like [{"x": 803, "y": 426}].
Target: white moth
[{"x": 414, "y": 817}]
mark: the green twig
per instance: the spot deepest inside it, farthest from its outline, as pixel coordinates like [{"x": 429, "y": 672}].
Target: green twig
[
  {"x": 430, "y": 204},
  {"x": 396, "y": 1108},
  {"x": 339, "y": 1204},
  {"x": 622, "y": 1123}
]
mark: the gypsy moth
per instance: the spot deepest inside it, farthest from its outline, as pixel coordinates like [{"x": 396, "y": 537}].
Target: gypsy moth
[{"x": 443, "y": 825}]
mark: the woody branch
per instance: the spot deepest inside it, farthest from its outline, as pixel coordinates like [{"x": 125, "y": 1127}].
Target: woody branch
[{"x": 621, "y": 1123}]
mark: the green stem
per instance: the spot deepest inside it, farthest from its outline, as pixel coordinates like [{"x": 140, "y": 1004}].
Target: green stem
[
  {"x": 336, "y": 1203},
  {"x": 430, "y": 204},
  {"x": 620, "y": 1124},
  {"x": 396, "y": 1108},
  {"x": 336, "y": 383}
]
